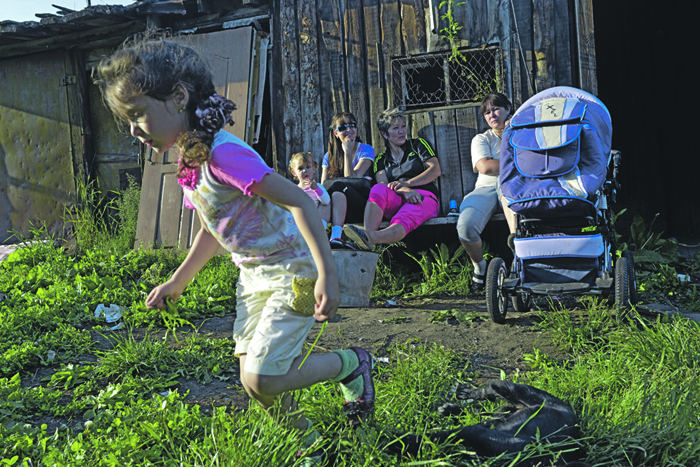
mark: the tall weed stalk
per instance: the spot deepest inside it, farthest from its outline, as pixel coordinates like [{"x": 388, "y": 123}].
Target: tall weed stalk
[
  {"x": 102, "y": 223},
  {"x": 444, "y": 271}
]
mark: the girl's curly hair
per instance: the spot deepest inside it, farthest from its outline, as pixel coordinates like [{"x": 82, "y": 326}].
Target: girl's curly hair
[{"x": 155, "y": 67}]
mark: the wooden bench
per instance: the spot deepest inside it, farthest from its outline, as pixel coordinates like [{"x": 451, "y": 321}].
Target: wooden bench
[{"x": 443, "y": 220}]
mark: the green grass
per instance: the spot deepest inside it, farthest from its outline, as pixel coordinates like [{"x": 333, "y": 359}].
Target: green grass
[{"x": 111, "y": 398}]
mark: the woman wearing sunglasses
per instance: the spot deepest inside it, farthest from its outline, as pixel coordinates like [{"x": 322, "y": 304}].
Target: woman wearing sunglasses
[{"x": 347, "y": 174}]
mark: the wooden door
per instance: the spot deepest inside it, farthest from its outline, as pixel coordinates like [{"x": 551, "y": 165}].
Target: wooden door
[
  {"x": 163, "y": 220},
  {"x": 37, "y": 172}
]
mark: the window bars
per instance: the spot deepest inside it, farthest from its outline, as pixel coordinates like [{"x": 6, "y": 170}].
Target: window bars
[{"x": 438, "y": 79}]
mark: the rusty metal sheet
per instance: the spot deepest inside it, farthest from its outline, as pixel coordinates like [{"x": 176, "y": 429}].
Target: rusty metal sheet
[{"x": 36, "y": 168}]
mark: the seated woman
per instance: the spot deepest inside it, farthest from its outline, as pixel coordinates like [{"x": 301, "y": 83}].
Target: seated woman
[
  {"x": 405, "y": 193},
  {"x": 346, "y": 174},
  {"x": 483, "y": 202}
]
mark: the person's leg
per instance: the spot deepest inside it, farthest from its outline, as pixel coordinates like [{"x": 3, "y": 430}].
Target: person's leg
[
  {"x": 356, "y": 202},
  {"x": 409, "y": 217},
  {"x": 405, "y": 218},
  {"x": 324, "y": 210},
  {"x": 338, "y": 209},
  {"x": 266, "y": 389},
  {"x": 373, "y": 216},
  {"x": 270, "y": 334},
  {"x": 475, "y": 211},
  {"x": 510, "y": 218},
  {"x": 383, "y": 202}
]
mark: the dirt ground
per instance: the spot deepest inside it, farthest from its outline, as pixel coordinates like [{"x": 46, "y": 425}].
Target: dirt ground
[{"x": 486, "y": 347}]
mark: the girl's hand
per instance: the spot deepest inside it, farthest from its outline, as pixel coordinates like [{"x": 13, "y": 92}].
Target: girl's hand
[
  {"x": 348, "y": 145},
  {"x": 308, "y": 183},
  {"x": 169, "y": 289},
  {"x": 327, "y": 298}
]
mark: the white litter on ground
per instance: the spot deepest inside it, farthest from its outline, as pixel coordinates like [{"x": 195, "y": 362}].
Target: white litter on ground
[{"x": 112, "y": 313}]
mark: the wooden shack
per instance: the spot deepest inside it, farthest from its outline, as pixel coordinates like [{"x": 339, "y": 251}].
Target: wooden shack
[
  {"x": 369, "y": 55},
  {"x": 56, "y": 133},
  {"x": 326, "y": 56}
]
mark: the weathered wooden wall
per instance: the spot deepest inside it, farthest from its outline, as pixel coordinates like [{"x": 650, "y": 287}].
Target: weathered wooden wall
[
  {"x": 38, "y": 147},
  {"x": 335, "y": 55}
]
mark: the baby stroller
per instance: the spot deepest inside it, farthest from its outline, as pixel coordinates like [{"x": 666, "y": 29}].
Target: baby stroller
[{"x": 558, "y": 175}]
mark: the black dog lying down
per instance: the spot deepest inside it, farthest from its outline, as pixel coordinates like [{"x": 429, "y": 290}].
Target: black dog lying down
[{"x": 555, "y": 421}]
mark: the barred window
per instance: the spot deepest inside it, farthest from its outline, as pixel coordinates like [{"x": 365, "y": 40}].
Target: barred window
[{"x": 433, "y": 80}]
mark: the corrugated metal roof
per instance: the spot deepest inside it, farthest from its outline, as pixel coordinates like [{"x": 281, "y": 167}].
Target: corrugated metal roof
[
  {"x": 102, "y": 25},
  {"x": 98, "y": 16}
]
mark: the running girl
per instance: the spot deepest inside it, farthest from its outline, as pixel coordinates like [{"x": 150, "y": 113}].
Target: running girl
[{"x": 165, "y": 93}]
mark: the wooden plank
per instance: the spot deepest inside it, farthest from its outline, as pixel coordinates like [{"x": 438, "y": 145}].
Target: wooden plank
[
  {"x": 501, "y": 17},
  {"x": 161, "y": 218},
  {"x": 375, "y": 65},
  {"x": 477, "y": 28},
  {"x": 150, "y": 204},
  {"x": 523, "y": 87},
  {"x": 563, "y": 41},
  {"x": 432, "y": 25},
  {"x": 356, "y": 64},
  {"x": 588, "y": 80},
  {"x": 257, "y": 108},
  {"x": 445, "y": 220},
  {"x": 332, "y": 64},
  {"x": 170, "y": 211},
  {"x": 311, "y": 115},
  {"x": 421, "y": 125},
  {"x": 78, "y": 111},
  {"x": 113, "y": 34},
  {"x": 447, "y": 148},
  {"x": 187, "y": 232},
  {"x": 391, "y": 45},
  {"x": 543, "y": 41},
  {"x": 467, "y": 122},
  {"x": 230, "y": 67},
  {"x": 291, "y": 84},
  {"x": 413, "y": 26},
  {"x": 278, "y": 142}
]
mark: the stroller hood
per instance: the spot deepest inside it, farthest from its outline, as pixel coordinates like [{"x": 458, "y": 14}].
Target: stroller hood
[{"x": 554, "y": 154}]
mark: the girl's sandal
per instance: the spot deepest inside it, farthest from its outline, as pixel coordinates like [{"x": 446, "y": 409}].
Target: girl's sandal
[{"x": 359, "y": 410}]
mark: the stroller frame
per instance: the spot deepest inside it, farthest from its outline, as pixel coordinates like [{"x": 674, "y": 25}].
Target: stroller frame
[{"x": 569, "y": 254}]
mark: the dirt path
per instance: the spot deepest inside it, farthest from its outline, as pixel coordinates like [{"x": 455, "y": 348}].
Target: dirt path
[{"x": 485, "y": 346}]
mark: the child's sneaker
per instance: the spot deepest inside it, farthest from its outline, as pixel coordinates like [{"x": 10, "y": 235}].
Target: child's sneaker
[
  {"x": 357, "y": 384},
  {"x": 337, "y": 243}
]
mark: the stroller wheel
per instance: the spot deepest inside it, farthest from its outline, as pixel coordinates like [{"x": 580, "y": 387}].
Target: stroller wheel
[
  {"x": 496, "y": 297},
  {"x": 521, "y": 302},
  {"x": 632, "y": 277},
  {"x": 622, "y": 288}
]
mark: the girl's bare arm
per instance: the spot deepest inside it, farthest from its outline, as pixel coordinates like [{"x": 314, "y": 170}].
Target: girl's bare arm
[
  {"x": 277, "y": 189},
  {"x": 203, "y": 248}
]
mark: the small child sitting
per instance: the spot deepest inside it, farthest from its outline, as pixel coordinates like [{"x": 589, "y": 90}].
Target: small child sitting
[{"x": 303, "y": 168}]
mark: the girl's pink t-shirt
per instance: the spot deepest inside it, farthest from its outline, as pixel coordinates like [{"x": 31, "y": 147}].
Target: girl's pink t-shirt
[{"x": 236, "y": 167}]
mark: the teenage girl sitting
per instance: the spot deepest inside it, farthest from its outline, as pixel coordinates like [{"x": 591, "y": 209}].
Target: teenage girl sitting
[
  {"x": 347, "y": 174},
  {"x": 165, "y": 93}
]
